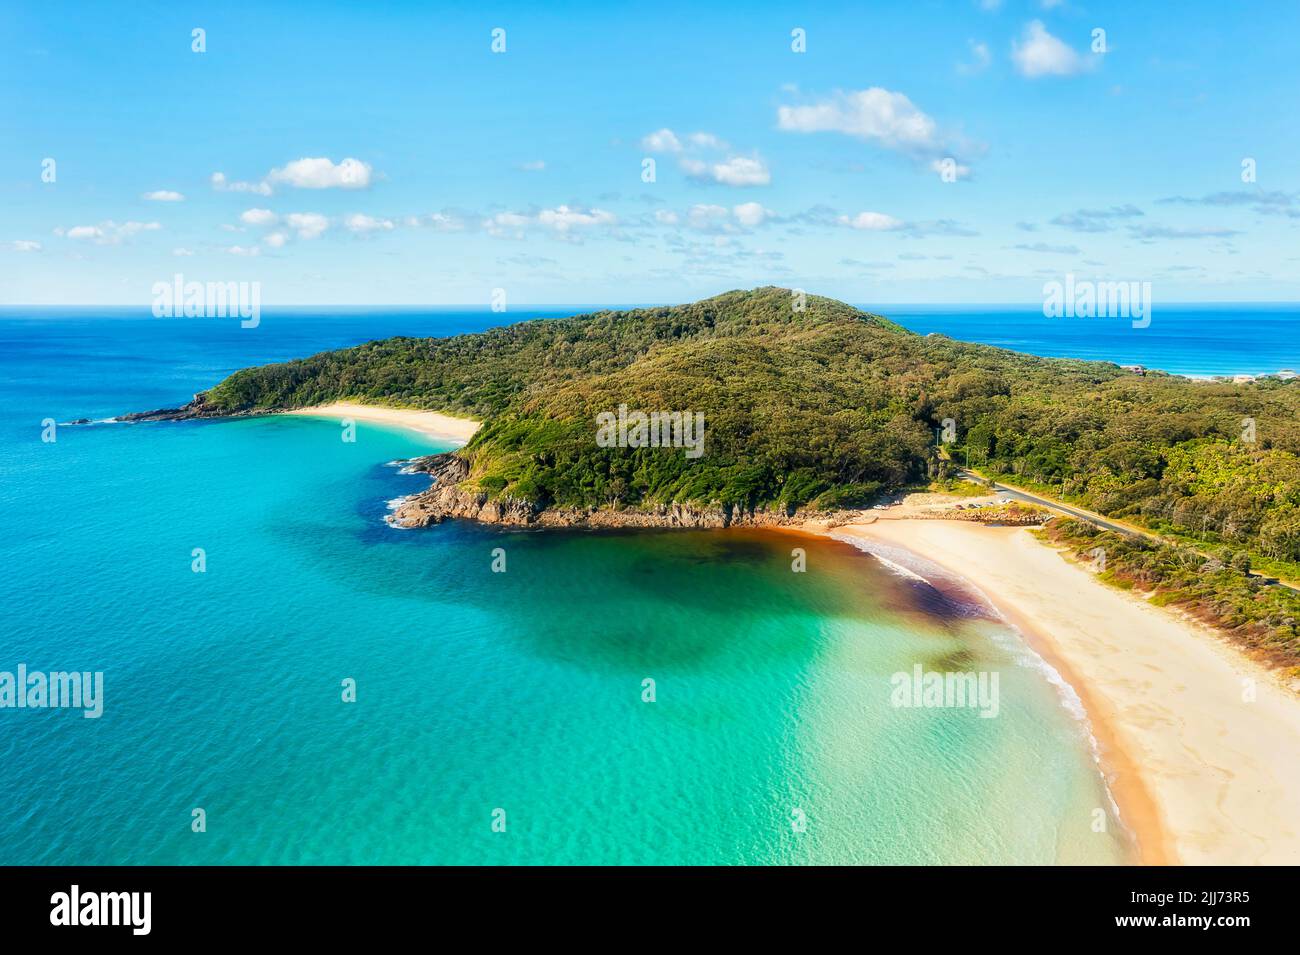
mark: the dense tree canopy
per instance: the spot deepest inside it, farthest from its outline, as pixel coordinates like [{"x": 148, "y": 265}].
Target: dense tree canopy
[{"x": 824, "y": 407}]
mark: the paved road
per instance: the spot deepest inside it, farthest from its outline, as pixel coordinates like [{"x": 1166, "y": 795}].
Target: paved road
[
  {"x": 1057, "y": 506},
  {"x": 1091, "y": 518}
]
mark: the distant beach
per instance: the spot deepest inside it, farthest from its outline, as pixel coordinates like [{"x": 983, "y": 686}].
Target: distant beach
[{"x": 428, "y": 423}]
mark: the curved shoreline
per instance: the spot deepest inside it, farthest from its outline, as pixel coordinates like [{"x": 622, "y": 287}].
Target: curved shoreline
[
  {"x": 431, "y": 424},
  {"x": 1199, "y": 774},
  {"x": 1138, "y": 813},
  {"x": 1194, "y": 780}
]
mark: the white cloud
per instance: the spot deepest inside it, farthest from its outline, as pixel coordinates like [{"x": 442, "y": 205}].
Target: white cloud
[
  {"x": 666, "y": 141},
  {"x": 258, "y": 217},
  {"x": 726, "y": 224},
  {"x": 222, "y": 184},
  {"x": 82, "y": 232},
  {"x": 309, "y": 225},
  {"x": 438, "y": 221},
  {"x": 535, "y": 165},
  {"x": 719, "y": 220},
  {"x": 321, "y": 173},
  {"x": 364, "y": 223},
  {"x": 662, "y": 141},
  {"x": 875, "y": 115},
  {"x": 741, "y": 171},
  {"x": 751, "y": 214},
  {"x": 564, "y": 221},
  {"x": 707, "y": 141},
  {"x": 1040, "y": 54},
  {"x": 164, "y": 195},
  {"x": 107, "y": 232},
  {"x": 563, "y": 218},
  {"x": 991, "y": 6},
  {"x": 707, "y": 217},
  {"x": 276, "y": 240},
  {"x": 131, "y": 228},
  {"x": 872, "y": 222},
  {"x": 25, "y": 245},
  {"x": 182, "y": 252},
  {"x": 735, "y": 171},
  {"x": 507, "y": 223},
  {"x": 244, "y": 251},
  {"x": 308, "y": 173}
]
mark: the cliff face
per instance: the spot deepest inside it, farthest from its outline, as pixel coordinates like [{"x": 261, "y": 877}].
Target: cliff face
[{"x": 448, "y": 499}]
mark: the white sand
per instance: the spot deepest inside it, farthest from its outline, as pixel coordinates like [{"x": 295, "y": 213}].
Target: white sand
[
  {"x": 431, "y": 423},
  {"x": 1200, "y": 774}
]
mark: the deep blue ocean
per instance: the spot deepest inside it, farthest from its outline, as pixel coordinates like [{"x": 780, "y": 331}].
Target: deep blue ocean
[
  {"x": 1195, "y": 340},
  {"x": 477, "y": 691}
]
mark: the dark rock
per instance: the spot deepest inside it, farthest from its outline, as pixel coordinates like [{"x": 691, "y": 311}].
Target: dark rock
[{"x": 448, "y": 499}]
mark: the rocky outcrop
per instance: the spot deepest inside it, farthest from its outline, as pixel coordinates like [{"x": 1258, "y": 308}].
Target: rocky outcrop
[
  {"x": 449, "y": 498},
  {"x": 1008, "y": 515},
  {"x": 198, "y": 408}
]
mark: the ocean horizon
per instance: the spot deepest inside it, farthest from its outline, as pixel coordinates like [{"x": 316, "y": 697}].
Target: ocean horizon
[{"x": 1199, "y": 340}]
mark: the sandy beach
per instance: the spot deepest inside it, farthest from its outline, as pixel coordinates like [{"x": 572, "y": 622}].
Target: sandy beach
[
  {"x": 1201, "y": 773},
  {"x": 431, "y": 423}
]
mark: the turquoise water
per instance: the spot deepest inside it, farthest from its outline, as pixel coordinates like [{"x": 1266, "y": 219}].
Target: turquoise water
[{"x": 476, "y": 691}]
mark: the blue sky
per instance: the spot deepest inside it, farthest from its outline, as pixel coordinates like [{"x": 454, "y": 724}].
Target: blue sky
[{"x": 382, "y": 153}]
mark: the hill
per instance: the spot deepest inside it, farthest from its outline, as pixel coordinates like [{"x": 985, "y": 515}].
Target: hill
[
  {"x": 819, "y": 408},
  {"x": 824, "y": 408}
]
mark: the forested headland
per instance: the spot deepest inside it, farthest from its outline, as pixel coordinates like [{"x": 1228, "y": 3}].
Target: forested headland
[{"x": 828, "y": 407}]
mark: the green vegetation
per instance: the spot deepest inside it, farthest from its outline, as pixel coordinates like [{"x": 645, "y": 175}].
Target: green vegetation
[
  {"x": 826, "y": 408},
  {"x": 1014, "y": 512},
  {"x": 956, "y": 487},
  {"x": 823, "y": 407},
  {"x": 1158, "y": 451},
  {"x": 1216, "y": 590}
]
